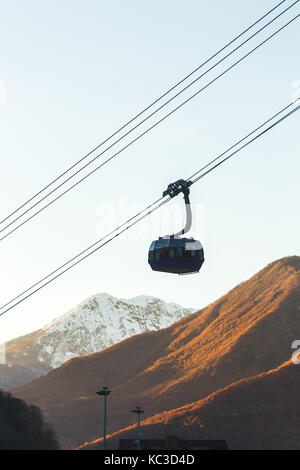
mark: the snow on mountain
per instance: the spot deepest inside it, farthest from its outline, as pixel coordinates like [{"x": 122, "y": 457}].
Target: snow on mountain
[
  {"x": 101, "y": 321},
  {"x": 95, "y": 324}
]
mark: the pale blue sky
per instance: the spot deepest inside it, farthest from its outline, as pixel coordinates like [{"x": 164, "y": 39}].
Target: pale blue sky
[{"x": 75, "y": 71}]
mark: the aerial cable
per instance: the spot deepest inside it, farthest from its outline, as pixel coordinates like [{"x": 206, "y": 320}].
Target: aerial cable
[
  {"x": 142, "y": 112},
  {"x": 244, "y": 138},
  {"x": 150, "y": 211},
  {"x": 84, "y": 251},
  {"x": 126, "y": 134},
  {"x": 140, "y": 135},
  {"x": 245, "y": 145},
  {"x": 140, "y": 216}
]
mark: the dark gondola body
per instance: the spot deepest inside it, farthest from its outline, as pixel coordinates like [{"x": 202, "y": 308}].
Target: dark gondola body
[
  {"x": 173, "y": 254},
  {"x": 176, "y": 255}
]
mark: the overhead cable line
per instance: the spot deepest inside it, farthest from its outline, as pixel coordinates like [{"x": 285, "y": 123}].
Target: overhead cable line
[
  {"x": 241, "y": 140},
  {"x": 140, "y": 135},
  {"x": 142, "y": 112},
  {"x": 147, "y": 211},
  {"x": 84, "y": 251},
  {"x": 245, "y": 145}
]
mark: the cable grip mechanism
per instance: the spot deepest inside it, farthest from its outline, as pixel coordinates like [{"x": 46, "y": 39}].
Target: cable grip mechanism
[{"x": 181, "y": 186}]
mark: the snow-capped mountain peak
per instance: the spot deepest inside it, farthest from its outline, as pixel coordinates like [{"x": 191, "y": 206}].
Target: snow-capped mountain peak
[{"x": 98, "y": 322}]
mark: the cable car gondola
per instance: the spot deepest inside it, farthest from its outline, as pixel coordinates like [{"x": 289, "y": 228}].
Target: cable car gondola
[{"x": 172, "y": 254}]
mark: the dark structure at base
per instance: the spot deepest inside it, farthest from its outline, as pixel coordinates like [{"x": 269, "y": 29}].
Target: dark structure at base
[{"x": 173, "y": 443}]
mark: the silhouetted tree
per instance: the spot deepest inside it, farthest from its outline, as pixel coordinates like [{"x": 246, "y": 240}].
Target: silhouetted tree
[{"x": 22, "y": 426}]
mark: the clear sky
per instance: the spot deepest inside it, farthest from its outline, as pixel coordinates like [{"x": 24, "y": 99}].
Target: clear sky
[{"x": 73, "y": 71}]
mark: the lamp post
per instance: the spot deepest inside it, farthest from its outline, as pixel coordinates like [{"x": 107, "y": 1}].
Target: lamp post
[
  {"x": 105, "y": 392},
  {"x": 138, "y": 411}
]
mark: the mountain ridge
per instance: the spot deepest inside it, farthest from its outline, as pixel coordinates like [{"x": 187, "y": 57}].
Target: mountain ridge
[
  {"x": 246, "y": 332},
  {"x": 94, "y": 324},
  {"x": 215, "y": 416}
]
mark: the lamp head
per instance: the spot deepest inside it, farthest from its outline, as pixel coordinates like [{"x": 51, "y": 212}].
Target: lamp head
[{"x": 105, "y": 391}]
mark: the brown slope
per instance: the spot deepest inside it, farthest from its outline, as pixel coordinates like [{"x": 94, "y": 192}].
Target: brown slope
[
  {"x": 253, "y": 413},
  {"x": 20, "y": 368},
  {"x": 17, "y": 344},
  {"x": 246, "y": 332}
]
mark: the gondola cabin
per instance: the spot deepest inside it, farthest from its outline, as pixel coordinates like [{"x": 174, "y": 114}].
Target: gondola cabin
[
  {"x": 176, "y": 255},
  {"x": 173, "y": 254}
]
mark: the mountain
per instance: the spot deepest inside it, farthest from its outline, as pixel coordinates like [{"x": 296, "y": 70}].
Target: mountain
[
  {"x": 96, "y": 323},
  {"x": 253, "y": 413},
  {"x": 247, "y": 332}
]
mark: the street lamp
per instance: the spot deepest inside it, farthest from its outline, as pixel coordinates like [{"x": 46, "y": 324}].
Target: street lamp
[
  {"x": 105, "y": 392},
  {"x": 138, "y": 411}
]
